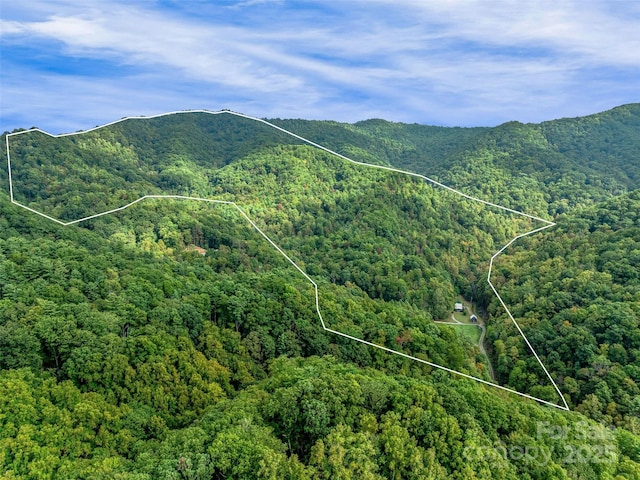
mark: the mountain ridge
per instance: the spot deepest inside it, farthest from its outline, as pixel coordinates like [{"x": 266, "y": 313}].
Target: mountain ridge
[{"x": 164, "y": 355}]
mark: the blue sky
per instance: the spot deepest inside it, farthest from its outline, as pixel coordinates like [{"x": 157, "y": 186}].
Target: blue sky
[{"x": 73, "y": 64}]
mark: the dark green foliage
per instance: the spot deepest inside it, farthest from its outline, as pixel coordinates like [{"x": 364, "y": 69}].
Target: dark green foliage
[
  {"x": 126, "y": 353},
  {"x": 549, "y": 167},
  {"x": 577, "y": 290}
]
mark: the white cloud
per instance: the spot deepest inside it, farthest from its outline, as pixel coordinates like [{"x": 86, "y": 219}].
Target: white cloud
[
  {"x": 598, "y": 30},
  {"x": 404, "y": 60},
  {"x": 138, "y": 37},
  {"x": 11, "y": 28},
  {"x": 253, "y": 3}
]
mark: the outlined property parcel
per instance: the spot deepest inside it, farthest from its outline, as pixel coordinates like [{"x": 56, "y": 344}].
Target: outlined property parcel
[{"x": 545, "y": 225}]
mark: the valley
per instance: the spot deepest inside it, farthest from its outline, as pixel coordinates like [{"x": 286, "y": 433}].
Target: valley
[{"x": 143, "y": 342}]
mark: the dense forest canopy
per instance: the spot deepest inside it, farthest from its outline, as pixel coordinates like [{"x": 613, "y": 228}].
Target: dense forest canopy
[
  {"x": 548, "y": 167},
  {"x": 170, "y": 340}
]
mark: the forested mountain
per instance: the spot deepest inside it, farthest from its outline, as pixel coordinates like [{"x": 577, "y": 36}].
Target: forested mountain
[
  {"x": 171, "y": 340},
  {"x": 577, "y": 293},
  {"x": 549, "y": 167}
]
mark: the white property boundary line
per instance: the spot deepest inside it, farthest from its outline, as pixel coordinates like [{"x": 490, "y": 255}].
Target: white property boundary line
[{"x": 548, "y": 224}]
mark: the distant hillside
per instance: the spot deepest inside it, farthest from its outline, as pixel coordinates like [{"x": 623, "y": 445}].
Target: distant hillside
[
  {"x": 549, "y": 167},
  {"x": 576, "y": 292},
  {"x": 171, "y": 340}
]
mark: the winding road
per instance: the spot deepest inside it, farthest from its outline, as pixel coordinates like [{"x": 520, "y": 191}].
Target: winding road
[
  {"x": 480, "y": 324},
  {"x": 482, "y": 349}
]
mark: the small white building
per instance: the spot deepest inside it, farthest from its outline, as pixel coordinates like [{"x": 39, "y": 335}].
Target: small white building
[
  {"x": 458, "y": 307},
  {"x": 473, "y": 319}
]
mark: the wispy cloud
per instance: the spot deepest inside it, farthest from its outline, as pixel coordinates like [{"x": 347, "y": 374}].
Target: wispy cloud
[
  {"x": 252, "y": 3},
  {"x": 454, "y": 62},
  {"x": 132, "y": 36}
]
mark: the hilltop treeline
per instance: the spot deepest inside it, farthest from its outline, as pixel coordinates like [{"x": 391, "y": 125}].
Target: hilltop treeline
[{"x": 127, "y": 352}]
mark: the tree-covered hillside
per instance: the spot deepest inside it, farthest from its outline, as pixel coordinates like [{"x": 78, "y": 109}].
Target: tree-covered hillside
[
  {"x": 549, "y": 167},
  {"x": 171, "y": 340},
  {"x": 576, "y": 291}
]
